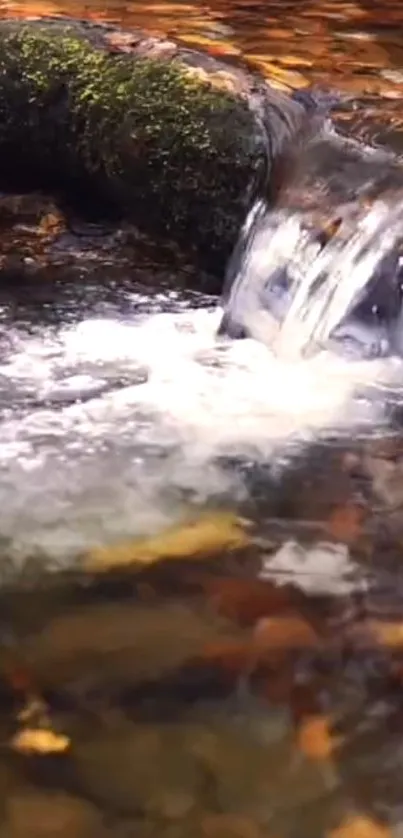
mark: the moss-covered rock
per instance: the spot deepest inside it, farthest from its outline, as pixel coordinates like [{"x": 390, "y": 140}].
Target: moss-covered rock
[{"x": 172, "y": 139}]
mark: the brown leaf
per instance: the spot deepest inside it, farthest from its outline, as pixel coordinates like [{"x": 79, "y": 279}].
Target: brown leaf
[{"x": 203, "y": 537}]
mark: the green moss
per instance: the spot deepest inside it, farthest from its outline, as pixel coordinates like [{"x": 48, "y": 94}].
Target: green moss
[{"x": 169, "y": 148}]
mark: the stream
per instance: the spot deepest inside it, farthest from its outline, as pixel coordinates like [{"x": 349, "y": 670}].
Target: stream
[{"x": 255, "y": 692}]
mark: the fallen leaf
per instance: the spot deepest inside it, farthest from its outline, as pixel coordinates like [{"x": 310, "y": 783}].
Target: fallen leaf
[
  {"x": 289, "y": 78},
  {"x": 294, "y": 61},
  {"x": 199, "y": 538},
  {"x": 284, "y": 633},
  {"x": 360, "y": 826},
  {"x": 51, "y": 223},
  {"x": 345, "y": 523},
  {"x": 211, "y": 45},
  {"x": 314, "y": 738},
  {"x": 247, "y": 600},
  {"x": 39, "y": 741},
  {"x": 386, "y": 633}
]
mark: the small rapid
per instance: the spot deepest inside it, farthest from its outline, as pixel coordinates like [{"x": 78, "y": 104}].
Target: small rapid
[
  {"x": 322, "y": 269},
  {"x": 117, "y": 418},
  {"x": 295, "y": 292}
]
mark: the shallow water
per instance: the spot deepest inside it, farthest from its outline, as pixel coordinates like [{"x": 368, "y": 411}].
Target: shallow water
[{"x": 120, "y": 413}]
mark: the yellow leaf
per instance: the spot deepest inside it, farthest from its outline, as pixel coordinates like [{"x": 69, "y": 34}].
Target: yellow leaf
[
  {"x": 39, "y": 741},
  {"x": 386, "y": 633},
  {"x": 314, "y": 738},
  {"x": 294, "y": 61},
  {"x": 211, "y": 44},
  {"x": 360, "y": 826},
  {"x": 276, "y": 74},
  {"x": 200, "y": 538}
]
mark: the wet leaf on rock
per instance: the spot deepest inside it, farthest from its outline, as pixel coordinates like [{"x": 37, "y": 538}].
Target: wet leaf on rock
[
  {"x": 201, "y": 538},
  {"x": 213, "y": 46}
]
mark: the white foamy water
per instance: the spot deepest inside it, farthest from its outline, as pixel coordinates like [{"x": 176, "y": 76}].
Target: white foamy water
[
  {"x": 334, "y": 282},
  {"x": 162, "y": 400},
  {"x": 297, "y": 294}
]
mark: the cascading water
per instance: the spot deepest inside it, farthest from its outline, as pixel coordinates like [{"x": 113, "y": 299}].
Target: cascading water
[
  {"x": 322, "y": 269},
  {"x": 295, "y": 293}
]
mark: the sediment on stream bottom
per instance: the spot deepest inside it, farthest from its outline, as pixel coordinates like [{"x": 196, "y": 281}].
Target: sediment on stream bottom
[{"x": 172, "y": 140}]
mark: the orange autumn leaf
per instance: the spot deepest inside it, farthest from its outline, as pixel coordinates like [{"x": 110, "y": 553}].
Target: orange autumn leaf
[
  {"x": 290, "y": 632},
  {"x": 314, "y": 738},
  {"x": 360, "y": 826}
]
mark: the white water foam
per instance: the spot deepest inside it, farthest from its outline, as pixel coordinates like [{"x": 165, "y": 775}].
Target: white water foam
[
  {"x": 120, "y": 462},
  {"x": 296, "y": 294}
]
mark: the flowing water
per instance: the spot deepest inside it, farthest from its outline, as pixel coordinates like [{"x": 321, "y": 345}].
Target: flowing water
[
  {"x": 297, "y": 295},
  {"x": 121, "y": 411}
]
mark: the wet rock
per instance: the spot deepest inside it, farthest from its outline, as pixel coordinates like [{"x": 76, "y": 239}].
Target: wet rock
[
  {"x": 112, "y": 645},
  {"x": 172, "y": 772},
  {"x": 136, "y": 769},
  {"x": 172, "y": 139}
]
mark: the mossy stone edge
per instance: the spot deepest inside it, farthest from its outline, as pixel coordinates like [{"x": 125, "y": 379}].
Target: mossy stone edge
[{"x": 168, "y": 149}]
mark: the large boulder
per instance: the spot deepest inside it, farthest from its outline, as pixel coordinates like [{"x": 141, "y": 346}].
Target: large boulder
[{"x": 170, "y": 139}]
